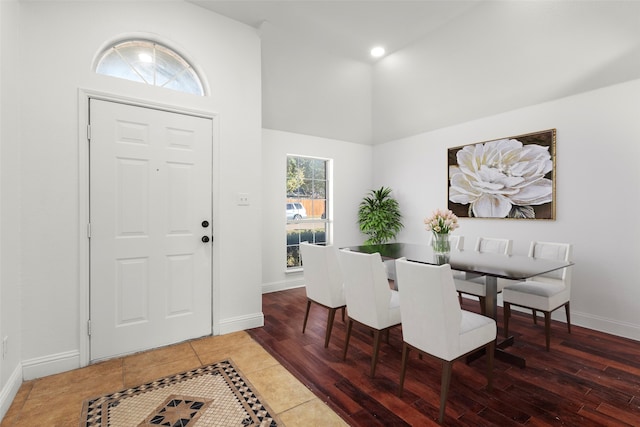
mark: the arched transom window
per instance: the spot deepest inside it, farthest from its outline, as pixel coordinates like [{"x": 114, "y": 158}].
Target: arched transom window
[{"x": 151, "y": 63}]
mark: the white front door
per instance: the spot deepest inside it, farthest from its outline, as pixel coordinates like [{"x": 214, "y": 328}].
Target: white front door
[{"x": 150, "y": 210}]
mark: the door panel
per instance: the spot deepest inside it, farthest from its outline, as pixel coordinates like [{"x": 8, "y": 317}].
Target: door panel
[{"x": 150, "y": 190}]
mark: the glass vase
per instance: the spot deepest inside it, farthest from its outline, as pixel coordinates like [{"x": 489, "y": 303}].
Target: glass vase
[{"x": 441, "y": 248}]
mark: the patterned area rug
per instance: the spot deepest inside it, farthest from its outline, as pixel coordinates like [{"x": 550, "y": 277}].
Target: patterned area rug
[{"x": 213, "y": 395}]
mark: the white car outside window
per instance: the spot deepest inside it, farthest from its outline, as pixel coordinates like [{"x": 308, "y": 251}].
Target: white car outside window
[{"x": 296, "y": 211}]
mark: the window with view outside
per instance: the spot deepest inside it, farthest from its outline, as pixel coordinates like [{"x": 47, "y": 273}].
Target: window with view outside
[
  {"x": 307, "y": 204},
  {"x": 150, "y": 63}
]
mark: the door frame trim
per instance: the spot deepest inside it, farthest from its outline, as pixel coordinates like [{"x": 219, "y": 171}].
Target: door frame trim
[{"x": 84, "y": 95}]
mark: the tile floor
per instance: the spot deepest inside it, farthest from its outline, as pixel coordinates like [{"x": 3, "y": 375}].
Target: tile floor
[{"x": 56, "y": 400}]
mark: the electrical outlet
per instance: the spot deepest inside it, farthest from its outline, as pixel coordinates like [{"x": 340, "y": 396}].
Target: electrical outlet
[{"x": 243, "y": 199}]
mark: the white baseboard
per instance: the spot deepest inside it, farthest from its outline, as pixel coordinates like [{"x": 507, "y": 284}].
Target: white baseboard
[
  {"x": 9, "y": 391},
  {"x": 282, "y": 286},
  {"x": 602, "y": 324},
  {"x": 62, "y": 362},
  {"x": 596, "y": 323},
  {"x": 51, "y": 364},
  {"x": 586, "y": 320},
  {"x": 241, "y": 323}
]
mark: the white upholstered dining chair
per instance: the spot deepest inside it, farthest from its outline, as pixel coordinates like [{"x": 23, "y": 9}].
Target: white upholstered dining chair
[
  {"x": 323, "y": 282},
  {"x": 476, "y": 285},
  {"x": 370, "y": 300},
  {"x": 547, "y": 292},
  {"x": 433, "y": 322}
]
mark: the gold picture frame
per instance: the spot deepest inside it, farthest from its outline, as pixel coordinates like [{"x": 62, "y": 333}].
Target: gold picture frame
[{"x": 513, "y": 177}]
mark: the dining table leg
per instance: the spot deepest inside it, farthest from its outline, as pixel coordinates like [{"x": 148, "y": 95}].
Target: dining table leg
[
  {"x": 491, "y": 310},
  {"x": 491, "y": 297}
]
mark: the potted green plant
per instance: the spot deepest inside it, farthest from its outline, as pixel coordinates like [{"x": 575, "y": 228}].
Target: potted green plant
[{"x": 379, "y": 216}]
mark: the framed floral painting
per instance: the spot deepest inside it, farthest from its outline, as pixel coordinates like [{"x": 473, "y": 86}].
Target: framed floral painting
[{"x": 512, "y": 177}]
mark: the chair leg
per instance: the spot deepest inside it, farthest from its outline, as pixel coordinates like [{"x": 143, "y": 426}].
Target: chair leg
[
  {"x": 403, "y": 367},
  {"x": 306, "y": 316},
  {"x": 506, "y": 308},
  {"x": 343, "y": 310},
  {"x": 376, "y": 347},
  {"x": 330, "y": 317},
  {"x": 566, "y": 310},
  {"x": 535, "y": 316},
  {"x": 444, "y": 387},
  {"x": 483, "y": 306},
  {"x": 346, "y": 340},
  {"x": 547, "y": 328}
]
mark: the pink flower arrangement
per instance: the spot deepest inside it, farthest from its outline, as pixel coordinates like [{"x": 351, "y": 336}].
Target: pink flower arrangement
[{"x": 441, "y": 222}]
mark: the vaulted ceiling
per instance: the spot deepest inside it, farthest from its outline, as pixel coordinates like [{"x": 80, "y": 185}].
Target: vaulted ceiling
[
  {"x": 347, "y": 28},
  {"x": 447, "y": 61}
]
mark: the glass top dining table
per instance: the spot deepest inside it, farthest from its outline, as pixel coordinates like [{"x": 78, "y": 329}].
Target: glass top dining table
[
  {"x": 475, "y": 264},
  {"x": 513, "y": 267}
]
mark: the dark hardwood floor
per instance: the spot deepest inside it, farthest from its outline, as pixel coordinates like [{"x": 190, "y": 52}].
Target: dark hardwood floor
[{"x": 587, "y": 379}]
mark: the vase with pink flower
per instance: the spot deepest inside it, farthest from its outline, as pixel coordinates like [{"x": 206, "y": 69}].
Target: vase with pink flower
[{"x": 441, "y": 223}]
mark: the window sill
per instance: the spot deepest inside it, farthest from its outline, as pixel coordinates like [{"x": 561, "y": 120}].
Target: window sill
[{"x": 294, "y": 270}]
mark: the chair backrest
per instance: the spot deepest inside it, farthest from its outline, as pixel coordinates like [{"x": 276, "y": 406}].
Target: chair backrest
[
  {"x": 429, "y": 307},
  {"x": 366, "y": 288},
  {"x": 492, "y": 245},
  {"x": 556, "y": 252},
  {"x": 457, "y": 242},
  {"x": 322, "y": 274}
]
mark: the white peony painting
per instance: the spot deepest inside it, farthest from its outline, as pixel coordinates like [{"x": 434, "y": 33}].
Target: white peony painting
[{"x": 505, "y": 178}]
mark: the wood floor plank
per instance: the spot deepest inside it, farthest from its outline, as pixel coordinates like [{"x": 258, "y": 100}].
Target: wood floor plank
[
  {"x": 626, "y": 414},
  {"x": 588, "y": 378}
]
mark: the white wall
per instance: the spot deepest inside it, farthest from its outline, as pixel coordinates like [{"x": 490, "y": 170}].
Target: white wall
[
  {"x": 309, "y": 91},
  {"x": 597, "y": 191},
  {"x": 352, "y": 176},
  {"x": 10, "y": 221},
  {"x": 59, "y": 43}
]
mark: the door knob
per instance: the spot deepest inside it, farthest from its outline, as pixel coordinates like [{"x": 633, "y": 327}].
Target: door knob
[
  {"x": 205, "y": 224},
  {"x": 205, "y": 239}
]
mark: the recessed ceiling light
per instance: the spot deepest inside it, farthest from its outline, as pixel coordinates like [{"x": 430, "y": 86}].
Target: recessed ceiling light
[{"x": 377, "y": 51}]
